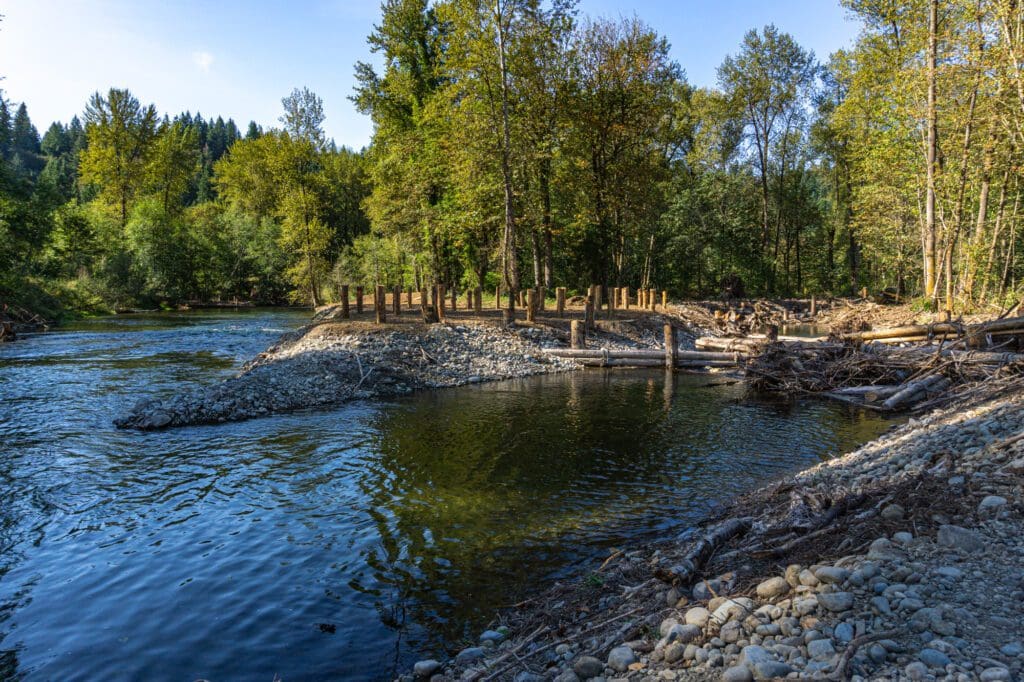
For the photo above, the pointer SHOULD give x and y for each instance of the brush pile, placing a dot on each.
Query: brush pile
(859, 368)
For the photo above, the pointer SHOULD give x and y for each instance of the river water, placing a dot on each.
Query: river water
(340, 544)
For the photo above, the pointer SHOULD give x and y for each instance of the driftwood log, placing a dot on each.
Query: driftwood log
(693, 562)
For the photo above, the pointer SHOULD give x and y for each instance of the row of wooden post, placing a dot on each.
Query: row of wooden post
(533, 300)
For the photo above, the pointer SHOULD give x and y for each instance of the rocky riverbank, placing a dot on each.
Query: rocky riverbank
(901, 560)
(329, 363)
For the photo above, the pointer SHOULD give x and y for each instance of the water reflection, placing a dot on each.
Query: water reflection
(219, 552)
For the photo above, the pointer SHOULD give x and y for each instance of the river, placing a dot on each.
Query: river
(340, 544)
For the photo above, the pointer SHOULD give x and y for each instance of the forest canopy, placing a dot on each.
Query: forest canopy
(521, 142)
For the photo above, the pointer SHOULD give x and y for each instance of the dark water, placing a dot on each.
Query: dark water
(218, 552)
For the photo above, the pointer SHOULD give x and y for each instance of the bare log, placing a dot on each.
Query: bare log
(691, 565)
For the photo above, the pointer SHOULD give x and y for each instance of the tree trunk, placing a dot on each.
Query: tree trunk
(932, 154)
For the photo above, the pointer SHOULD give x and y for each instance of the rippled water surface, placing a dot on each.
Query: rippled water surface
(338, 544)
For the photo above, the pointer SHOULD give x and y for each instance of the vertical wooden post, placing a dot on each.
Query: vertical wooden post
(469, 299)
(379, 304)
(478, 300)
(652, 300)
(497, 297)
(577, 334)
(625, 298)
(542, 293)
(359, 299)
(508, 318)
(560, 300)
(863, 292)
(664, 299)
(671, 347)
(598, 296)
(455, 298)
(344, 302)
(588, 313)
(440, 301)
(520, 298)
(814, 306)
(396, 303)
(408, 298)
(531, 304)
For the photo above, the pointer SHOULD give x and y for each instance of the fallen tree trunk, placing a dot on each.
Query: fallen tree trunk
(687, 570)
(915, 390)
(651, 362)
(640, 354)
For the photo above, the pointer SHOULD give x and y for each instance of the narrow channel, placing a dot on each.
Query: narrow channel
(336, 543)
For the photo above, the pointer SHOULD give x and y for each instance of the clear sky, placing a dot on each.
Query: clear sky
(238, 58)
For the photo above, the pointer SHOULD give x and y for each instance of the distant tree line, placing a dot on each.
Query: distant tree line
(518, 142)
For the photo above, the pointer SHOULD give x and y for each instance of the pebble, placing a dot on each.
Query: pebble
(831, 574)
(821, 650)
(836, 601)
(426, 668)
(960, 538)
(737, 673)
(773, 587)
(991, 502)
(893, 512)
(587, 667)
(470, 655)
(620, 658)
(698, 616)
(933, 658)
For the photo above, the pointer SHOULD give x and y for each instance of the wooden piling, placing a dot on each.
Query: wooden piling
(478, 300)
(508, 318)
(408, 298)
(625, 298)
(359, 300)
(560, 301)
(497, 297)
(344, 302)
(671, 347)
(664, 299)
(440, 301)
(396, 302)
(598, 296)
(469, 299)
(652, 302)
(531, 305)
(379, 304)
(814, 306)
(577, 334)
(455, 298)
(588, 313)
(542, 293)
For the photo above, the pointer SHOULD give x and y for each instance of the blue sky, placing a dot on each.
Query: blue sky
(238, 59)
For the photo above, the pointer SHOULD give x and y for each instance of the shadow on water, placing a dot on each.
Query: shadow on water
(343, 543)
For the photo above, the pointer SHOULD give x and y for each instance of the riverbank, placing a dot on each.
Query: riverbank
(900, 560)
